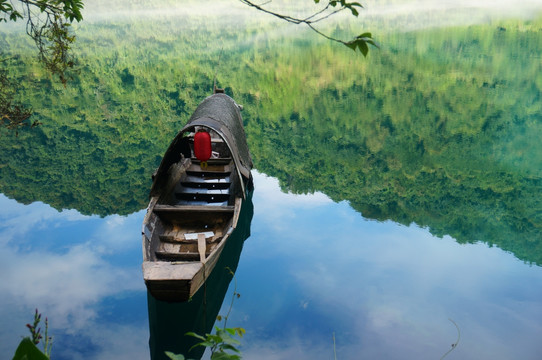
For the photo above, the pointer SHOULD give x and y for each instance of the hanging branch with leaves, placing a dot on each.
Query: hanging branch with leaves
(332, 8)
(13, 115)
(48, 24)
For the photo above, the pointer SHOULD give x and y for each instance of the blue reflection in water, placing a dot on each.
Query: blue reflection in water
(82, 272)
(311, 268)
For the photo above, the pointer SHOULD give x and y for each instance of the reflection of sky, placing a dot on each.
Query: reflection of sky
(82, 272)
(311, 268)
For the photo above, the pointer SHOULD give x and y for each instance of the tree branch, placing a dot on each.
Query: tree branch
(360, 42)
(48, 24)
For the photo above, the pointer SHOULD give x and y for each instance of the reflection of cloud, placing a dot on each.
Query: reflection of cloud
(18, 219)
(388, 290)
(115, 341)
(64, 285)
(274, 206)
(55, 261)
(266, 190)
(298, 346)
(122, 232)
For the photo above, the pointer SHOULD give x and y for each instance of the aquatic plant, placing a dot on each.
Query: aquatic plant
(223, 344)
(27, 348)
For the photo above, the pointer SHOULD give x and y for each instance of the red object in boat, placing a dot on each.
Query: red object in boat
(202, 145)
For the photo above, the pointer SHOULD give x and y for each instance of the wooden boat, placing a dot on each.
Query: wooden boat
(194, 204)
(169, 322)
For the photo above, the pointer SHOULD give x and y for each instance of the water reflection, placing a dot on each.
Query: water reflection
(169, 322)
(82, 272)
(441, 128)
(385, 290)
(312, 268)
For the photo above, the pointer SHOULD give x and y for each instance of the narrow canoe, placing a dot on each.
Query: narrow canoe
(194, 204)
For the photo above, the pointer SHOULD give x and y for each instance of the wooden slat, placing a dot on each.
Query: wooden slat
(192, 208)
(203, 197)
(214, 161)
(224, 185)
(202, 246)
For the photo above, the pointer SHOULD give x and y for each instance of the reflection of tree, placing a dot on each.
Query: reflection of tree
(413, 142)
(12, 115)
(456, 151)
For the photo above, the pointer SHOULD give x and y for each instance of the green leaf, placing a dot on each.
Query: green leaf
(193, 334)
(28, 350)
(173, 356)
(230, 347)
(367, 38)
(372, 42)
(214, 339)
(362, 45)
(352, 45)
(230, 341)
(203, 343)
(15, 15)
(224, 356)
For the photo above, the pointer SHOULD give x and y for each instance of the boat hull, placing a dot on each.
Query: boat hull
(195, 204)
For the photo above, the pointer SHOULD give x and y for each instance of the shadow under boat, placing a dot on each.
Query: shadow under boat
(170, 321)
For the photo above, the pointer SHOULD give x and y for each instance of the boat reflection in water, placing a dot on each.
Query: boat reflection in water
(170, 321)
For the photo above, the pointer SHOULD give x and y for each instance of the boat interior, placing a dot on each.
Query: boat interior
(196, 206)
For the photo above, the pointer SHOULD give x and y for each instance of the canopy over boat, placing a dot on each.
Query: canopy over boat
(220, 113)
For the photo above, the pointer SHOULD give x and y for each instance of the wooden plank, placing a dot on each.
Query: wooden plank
(202, 246)
(192, 208)
(174, 175)
(190, 236)
(179, 256)
(193, 236)
(160, 270)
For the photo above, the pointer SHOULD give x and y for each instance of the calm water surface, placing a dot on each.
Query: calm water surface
(440, 128)
(311, 268)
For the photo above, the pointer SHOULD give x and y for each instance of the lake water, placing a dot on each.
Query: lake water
(396, 205)
(311, 269)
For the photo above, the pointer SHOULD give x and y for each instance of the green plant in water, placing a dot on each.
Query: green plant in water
(27, 348)
(223, 344)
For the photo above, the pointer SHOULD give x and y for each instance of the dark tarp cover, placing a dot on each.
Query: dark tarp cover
(220, 113)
